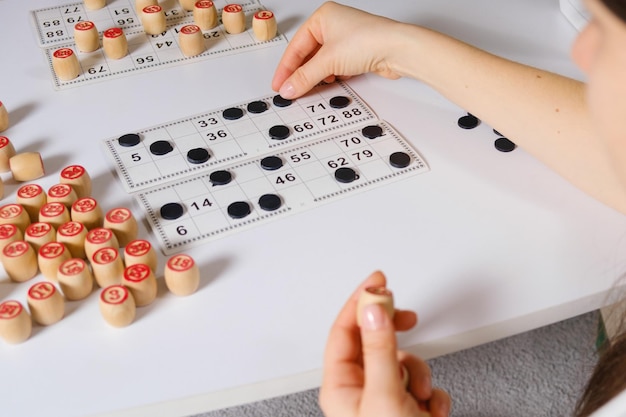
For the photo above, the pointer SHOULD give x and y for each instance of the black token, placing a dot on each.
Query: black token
(161, 147)
(281, 102)
(271, 163)
(198, 155)
(279, 132)
(129, 139)
(220, 177)
(257, 107)
(171, 211)
(345, 174)
(270, 202)
(399, 160)
(468, 122)
(232, 113)
(238, 209)
(339, 102)
(504, 145)
(372, 132)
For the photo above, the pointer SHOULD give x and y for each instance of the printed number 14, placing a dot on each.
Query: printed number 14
(205, 203)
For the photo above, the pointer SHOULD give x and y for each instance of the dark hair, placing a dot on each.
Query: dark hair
(617, 6)
(607, 379)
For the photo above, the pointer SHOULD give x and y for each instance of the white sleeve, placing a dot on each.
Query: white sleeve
(614, 408)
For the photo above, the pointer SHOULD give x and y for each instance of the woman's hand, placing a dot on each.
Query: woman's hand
(336, 41)
(363, 368)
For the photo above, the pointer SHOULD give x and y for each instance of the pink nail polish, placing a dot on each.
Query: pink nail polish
(287, 90)
(374, 317)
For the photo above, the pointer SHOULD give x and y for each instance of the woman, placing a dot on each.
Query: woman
(361, 375)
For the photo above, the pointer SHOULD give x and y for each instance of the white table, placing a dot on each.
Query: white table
(484, 246)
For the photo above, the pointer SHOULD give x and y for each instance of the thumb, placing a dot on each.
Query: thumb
(378, 337)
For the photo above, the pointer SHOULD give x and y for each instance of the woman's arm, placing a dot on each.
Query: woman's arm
(542, 112)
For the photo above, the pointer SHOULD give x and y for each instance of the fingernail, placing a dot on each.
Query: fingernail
(374, 317)
(287, 90)
(444, 408)
(404, 374)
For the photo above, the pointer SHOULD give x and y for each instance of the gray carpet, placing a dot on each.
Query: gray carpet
(536, 374)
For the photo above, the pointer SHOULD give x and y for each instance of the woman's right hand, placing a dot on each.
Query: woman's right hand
(336, 41)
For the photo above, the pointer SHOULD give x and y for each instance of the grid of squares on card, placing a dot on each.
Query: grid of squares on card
(152, 52)
(240, 196)
(192, 145)
(55, 25)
